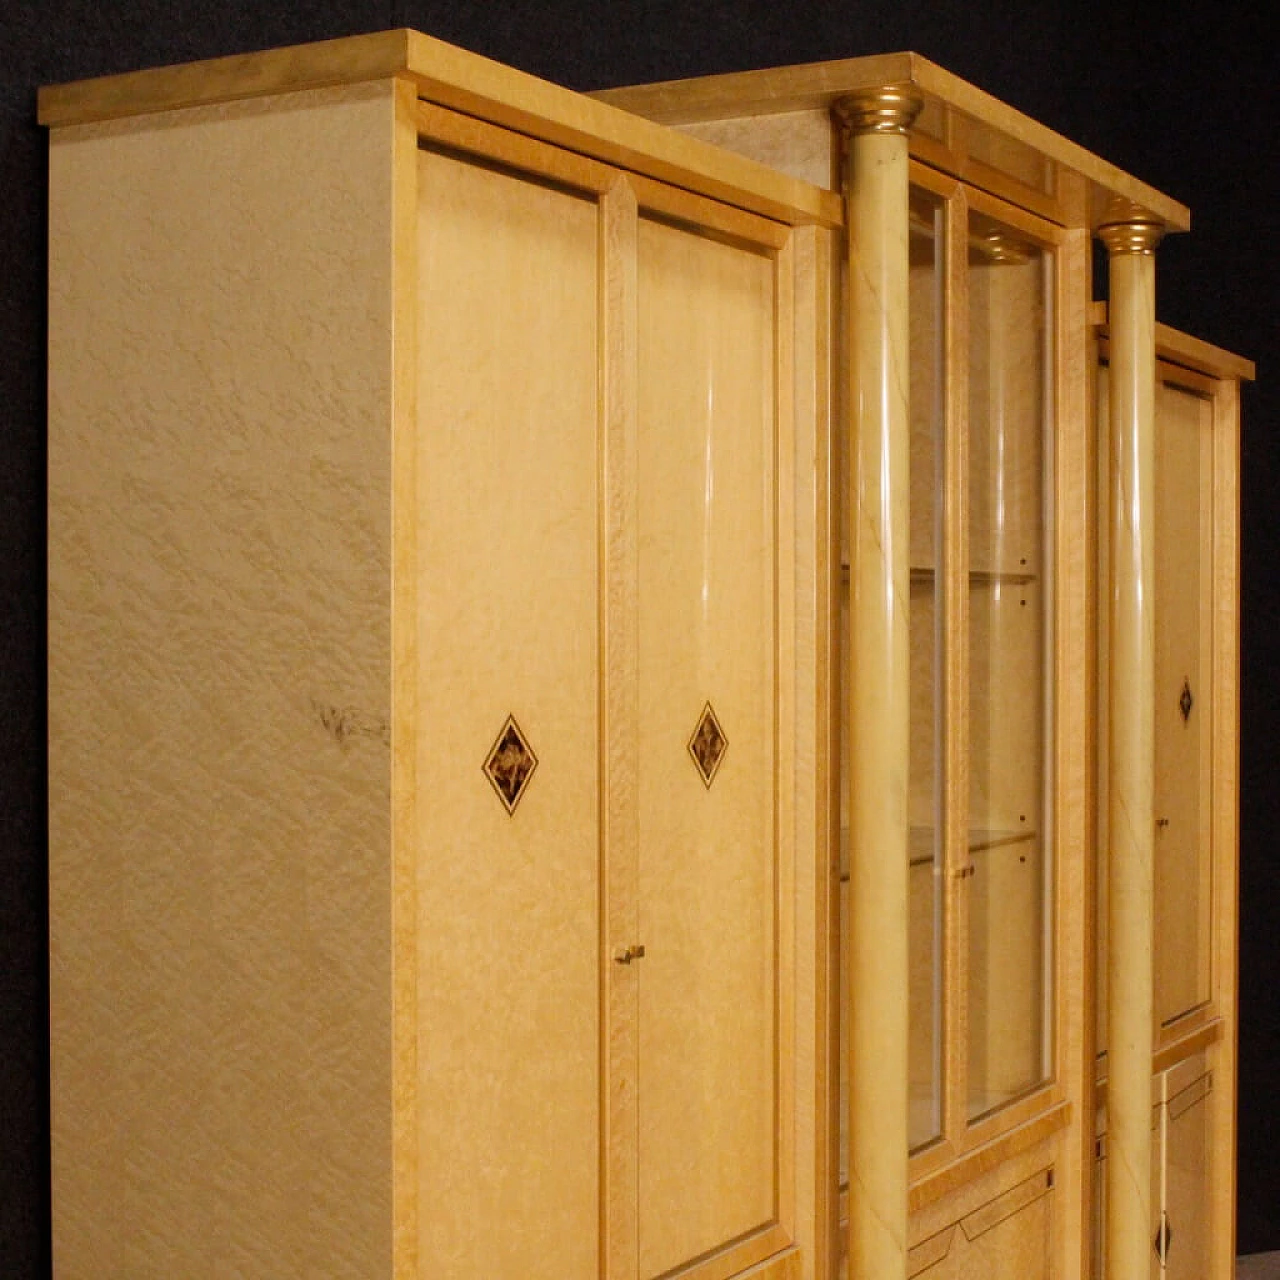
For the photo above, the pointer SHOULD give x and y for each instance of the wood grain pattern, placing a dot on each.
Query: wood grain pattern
(621, 729)
(405, 658)
(467, 83)
(815, 815)
(1224, 1059)
(1183, 744)
(993, 126)
(709, 873)
(875, 1000)
(508, 615)
(1073, 759)
(1131, 820)
(221, 428)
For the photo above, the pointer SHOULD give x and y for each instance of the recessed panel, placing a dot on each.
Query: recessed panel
(1183, 550)
(508, 884)
(708, 863)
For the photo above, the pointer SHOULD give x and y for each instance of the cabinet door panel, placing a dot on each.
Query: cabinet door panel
(708, 862)
(1187, 1171)
(508, 950)
(1183, 551)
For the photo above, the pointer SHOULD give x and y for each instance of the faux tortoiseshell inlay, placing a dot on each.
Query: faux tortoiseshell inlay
(708, 745)
(510, 764)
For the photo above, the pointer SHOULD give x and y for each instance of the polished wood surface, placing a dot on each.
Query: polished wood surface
(405, 658)
(1199, 388)
(1131, 817)
(1004, 141)
(876, 999)
(222, 421)
(508, 563)
(1183, 655)
(600, 370)
(709, 867)
(465, 82)
(620, 727)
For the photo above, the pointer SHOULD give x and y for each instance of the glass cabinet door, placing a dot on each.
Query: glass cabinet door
(925, 850)
(979, 923)
(1008, 700)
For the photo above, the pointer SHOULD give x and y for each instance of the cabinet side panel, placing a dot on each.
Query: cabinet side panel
(508, 952)
(219, 613)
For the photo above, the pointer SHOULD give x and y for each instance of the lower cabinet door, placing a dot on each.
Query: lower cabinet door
(1187, 1088)
(1003, 1236)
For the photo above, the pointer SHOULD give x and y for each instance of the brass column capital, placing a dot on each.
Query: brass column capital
(891, 108)
(1129, 228)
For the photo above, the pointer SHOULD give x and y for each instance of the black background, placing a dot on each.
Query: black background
(1184, 100)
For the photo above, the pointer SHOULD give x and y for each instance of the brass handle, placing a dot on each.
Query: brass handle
(630, 954)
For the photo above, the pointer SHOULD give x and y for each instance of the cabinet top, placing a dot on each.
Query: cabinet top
(466, 82)
(961, 130)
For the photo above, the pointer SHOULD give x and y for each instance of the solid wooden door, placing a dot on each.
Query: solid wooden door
(509, 861)
(604, 959)
(709, 856)
(1183, 702)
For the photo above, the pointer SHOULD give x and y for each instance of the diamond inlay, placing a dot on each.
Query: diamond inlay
(708, 745)
(510, 765)
(1186, 702)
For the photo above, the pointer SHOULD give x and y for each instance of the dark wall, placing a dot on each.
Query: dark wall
(1187, 104)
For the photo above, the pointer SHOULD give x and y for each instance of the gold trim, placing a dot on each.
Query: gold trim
(891, 108)
(1129, 228)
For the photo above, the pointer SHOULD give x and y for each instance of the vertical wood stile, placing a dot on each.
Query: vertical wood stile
(786, 925)
(816, 530)
(954, 576)
(619, 676)
(876, 986)
(404, 691)
(1225, 837)
(1130, 238)
(1074, 941)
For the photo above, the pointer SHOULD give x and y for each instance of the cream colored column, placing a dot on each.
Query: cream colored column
(1131, 238)
(875, 990)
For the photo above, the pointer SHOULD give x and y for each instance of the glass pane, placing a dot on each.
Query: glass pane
(925, 776)
(1008, 631)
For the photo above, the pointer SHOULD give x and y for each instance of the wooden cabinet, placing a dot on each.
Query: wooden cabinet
(434, 878)
(597, 669)
(1022, 535)
(1195, 785)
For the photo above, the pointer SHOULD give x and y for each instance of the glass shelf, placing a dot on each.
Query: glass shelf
(920, 844)
(925, 576)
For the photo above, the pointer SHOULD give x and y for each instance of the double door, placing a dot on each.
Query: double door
(602, 968)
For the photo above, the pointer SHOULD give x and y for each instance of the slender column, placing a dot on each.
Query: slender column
(875, 990)
(1131, 237)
